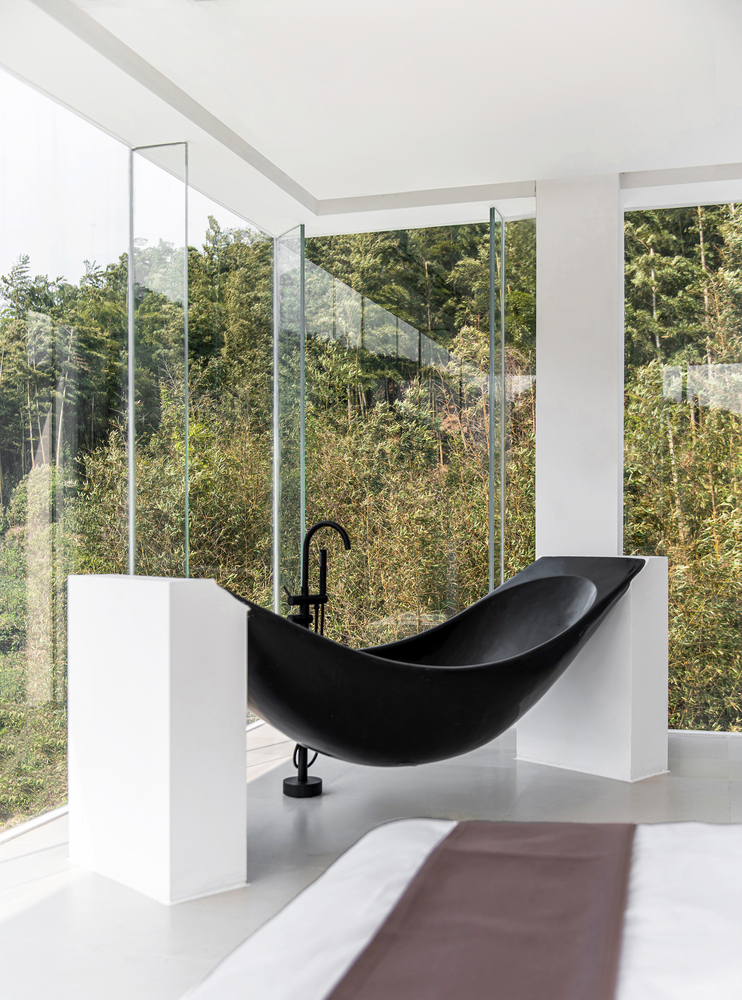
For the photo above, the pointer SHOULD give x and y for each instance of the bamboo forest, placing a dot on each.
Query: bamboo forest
(397, 444)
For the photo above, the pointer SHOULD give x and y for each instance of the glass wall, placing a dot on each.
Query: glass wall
(417, 407)
(399, 406)
(683, 421)
(197, 309)
(63, 329)
(400, 422)
(230, 337)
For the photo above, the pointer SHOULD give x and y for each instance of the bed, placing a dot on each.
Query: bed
(679, 932)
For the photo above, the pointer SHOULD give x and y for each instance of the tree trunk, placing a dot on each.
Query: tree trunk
(30, 424)
(678, 509)
(654, 303)
(705, 285)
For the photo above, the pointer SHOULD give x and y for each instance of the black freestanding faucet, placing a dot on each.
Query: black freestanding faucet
(305, 600)
(302, 786)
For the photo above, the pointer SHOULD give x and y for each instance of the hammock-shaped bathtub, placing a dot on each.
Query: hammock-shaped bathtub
(442, 692)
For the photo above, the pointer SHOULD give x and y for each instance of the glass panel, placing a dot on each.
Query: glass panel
(288, 414)
(683, 435)
(230, 337)
(160, 335)
(398, 428)
(63, 509)
(498, 401)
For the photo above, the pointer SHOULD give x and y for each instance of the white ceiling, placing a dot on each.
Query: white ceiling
(326, 110)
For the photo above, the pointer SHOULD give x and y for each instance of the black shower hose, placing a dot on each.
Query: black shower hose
(309, 762)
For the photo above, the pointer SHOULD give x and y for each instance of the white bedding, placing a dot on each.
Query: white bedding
(682, 936)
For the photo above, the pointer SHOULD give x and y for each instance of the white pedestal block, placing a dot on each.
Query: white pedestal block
(157, 702)
(607, 714)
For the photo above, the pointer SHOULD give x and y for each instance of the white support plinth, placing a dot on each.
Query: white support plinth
(607, 714)
(157, 702)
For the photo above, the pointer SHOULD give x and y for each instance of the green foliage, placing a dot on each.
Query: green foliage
(400, 455)
(436, 279)
(231, 340)
(33, 760)
(682, 455)
(396, 453)
(12, 596)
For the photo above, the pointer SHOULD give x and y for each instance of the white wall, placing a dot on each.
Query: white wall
(579, 367)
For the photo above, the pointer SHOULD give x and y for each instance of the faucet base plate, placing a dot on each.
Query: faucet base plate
(302, 789)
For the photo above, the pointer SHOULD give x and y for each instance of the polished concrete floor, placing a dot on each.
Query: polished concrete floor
(67, 933)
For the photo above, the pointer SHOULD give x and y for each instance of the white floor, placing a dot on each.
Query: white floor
(69, 934)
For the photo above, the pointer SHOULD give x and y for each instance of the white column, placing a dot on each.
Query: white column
(579, 367)
(157, 703)
(607, 714)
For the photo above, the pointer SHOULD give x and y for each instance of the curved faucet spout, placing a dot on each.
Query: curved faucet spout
(305, 551)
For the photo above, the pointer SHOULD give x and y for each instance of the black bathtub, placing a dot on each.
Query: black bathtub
(444, 691)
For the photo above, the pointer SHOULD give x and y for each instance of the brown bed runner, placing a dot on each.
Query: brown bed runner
(508, 911)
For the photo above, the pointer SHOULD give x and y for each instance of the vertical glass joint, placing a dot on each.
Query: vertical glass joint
(497, 401)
